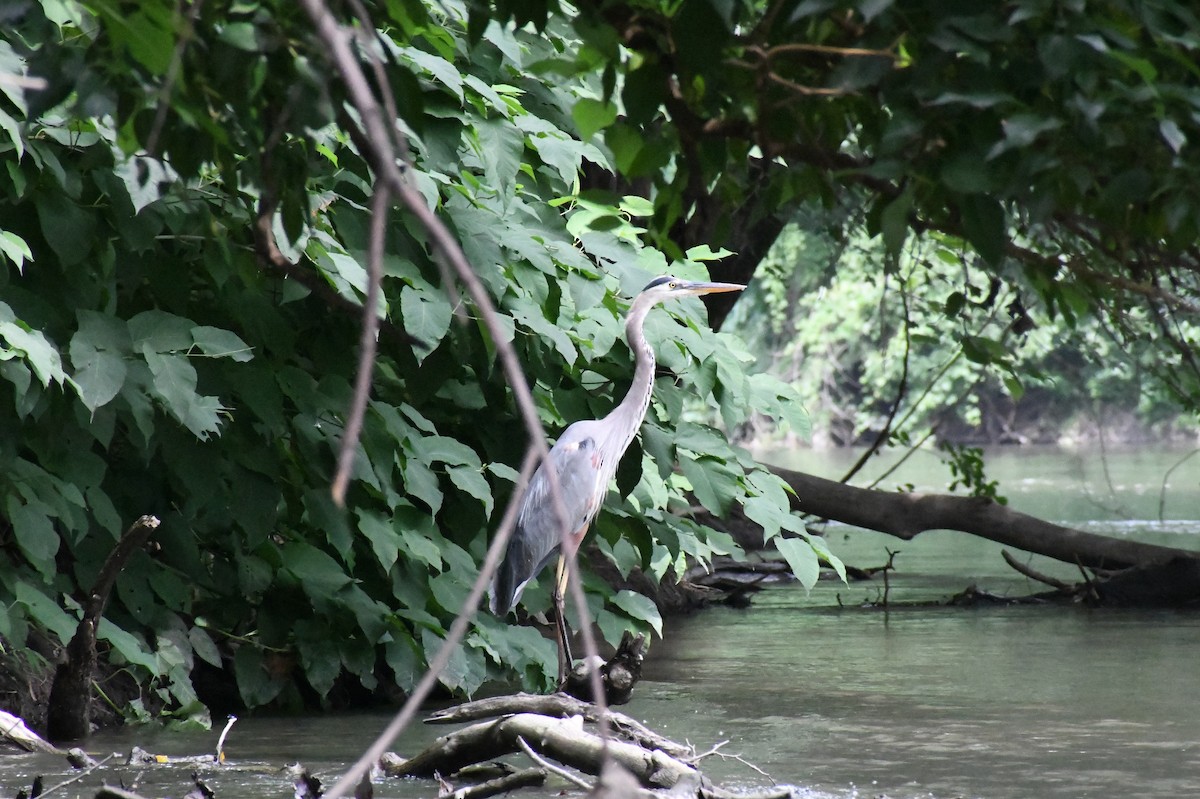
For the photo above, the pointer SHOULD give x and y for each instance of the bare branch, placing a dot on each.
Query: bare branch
(1033, 574)
(380, 135)
(380, 202)
(574, 779)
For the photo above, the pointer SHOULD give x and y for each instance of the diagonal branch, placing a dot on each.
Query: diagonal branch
(386, 162)
(366, 347)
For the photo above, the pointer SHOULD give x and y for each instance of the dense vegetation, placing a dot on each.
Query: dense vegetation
(933, 352)
(160, 360)
(185, 216)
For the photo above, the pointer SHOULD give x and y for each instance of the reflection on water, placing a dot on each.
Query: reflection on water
(1055, 484)
(257, 750)
(1008, 702)
(848, 701)
(987, 702)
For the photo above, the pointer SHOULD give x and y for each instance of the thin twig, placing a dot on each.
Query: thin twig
(83, 773)
(1162, 492)
(901, 393)
(716, 750)
(380, 201)
(574, 779)
(1036, 575)
(824, 49)
(164, 92)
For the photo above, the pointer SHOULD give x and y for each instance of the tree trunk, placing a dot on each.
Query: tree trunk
(69, 712)
(1127, 572)
(906, 515)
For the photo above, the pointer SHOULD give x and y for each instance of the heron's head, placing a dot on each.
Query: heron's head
(669, 287)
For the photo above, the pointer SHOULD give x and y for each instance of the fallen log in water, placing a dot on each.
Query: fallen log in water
(563, 740)
(560, 706)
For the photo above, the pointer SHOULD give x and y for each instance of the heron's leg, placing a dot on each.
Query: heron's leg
(565, 661)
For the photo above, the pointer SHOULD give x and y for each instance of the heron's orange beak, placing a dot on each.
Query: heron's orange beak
(698, 287)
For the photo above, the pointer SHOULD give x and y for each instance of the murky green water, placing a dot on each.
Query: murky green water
(947, 702)
(846, 701)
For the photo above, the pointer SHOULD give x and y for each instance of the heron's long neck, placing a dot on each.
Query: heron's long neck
(632, 409)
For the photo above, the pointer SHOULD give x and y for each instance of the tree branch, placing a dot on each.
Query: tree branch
(907, 515)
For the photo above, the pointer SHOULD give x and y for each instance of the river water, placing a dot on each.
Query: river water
(825, 691)
(998, 702)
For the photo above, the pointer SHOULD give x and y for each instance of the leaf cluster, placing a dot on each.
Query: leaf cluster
(1051, 139)
(184, 231)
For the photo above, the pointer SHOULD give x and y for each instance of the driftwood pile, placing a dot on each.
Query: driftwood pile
(560, 737)
(559, 733)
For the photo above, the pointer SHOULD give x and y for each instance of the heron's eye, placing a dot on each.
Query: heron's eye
(672, 285)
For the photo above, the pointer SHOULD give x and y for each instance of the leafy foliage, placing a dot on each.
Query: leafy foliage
(938, 347)
(164, 357)
(159, 358)
(1047, 142)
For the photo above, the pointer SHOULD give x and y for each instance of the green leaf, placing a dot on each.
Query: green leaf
(404, 659)
(217, 343)
(318, 654)
(465, 671)
(69, 229)
(1016, 389)
(161, 332)
(801, 559)
(427, 314)
(639, 608)
(500, 148)
(421, 483)
(443, 449)
(591, 116)
(46, 611)
(385, 543)
(765, 514)
(15, 249)
(713, 482)
(148, 38)
(441, 69)
(204, 647)
(1170, 130)
(129, 647)
(30, 345)
(1021, 131)
(318, 574)
(823, 552)
(984, 224)
(470, 480)
(34, 533)
(240, 35)
(519, 648)
(97, 353)
(175, 384)
(13, 129)
(255, 683)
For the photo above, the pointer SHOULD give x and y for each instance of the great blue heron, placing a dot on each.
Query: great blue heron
(584, 459)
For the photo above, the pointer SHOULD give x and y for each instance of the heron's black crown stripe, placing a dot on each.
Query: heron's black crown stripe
(658, 281)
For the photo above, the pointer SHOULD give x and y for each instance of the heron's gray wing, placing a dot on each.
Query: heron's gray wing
(536, 540)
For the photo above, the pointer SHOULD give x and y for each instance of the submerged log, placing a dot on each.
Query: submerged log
(1175, 583)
